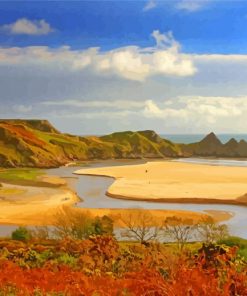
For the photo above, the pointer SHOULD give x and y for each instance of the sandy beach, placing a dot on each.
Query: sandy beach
(38, 205)
(33, 205)
(169, 181)
(27, 205)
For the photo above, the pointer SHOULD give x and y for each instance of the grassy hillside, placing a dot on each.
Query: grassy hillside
(36, 143)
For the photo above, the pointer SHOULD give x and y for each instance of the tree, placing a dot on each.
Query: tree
(140, 226)
(178, 230)
(21, 234)
(41, 232)
(76, 224)
(73, 223)
(103, 225)
(210, 232)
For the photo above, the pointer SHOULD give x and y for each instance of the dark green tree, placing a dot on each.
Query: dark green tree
(21, 234)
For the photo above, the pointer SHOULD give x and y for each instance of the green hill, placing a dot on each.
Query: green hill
(36, 143)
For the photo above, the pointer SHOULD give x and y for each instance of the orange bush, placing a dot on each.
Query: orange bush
(103, 269)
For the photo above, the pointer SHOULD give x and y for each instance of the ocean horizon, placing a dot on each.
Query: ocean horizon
(192, 138)
(188, 138)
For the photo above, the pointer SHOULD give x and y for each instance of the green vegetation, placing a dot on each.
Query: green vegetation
(36, 143)
(100, 265)
(86, 259)
(21, 234)
(239, 242)
(70, 222)
(20, 174)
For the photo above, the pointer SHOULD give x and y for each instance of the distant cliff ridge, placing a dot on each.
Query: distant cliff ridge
(36, 143)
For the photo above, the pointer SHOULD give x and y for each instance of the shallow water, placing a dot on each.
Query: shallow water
(92, 190)
(214, 161)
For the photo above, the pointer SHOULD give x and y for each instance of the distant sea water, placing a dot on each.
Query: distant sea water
(192, 138)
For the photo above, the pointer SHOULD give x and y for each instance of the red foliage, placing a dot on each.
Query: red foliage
(21, 132)
(144, 271)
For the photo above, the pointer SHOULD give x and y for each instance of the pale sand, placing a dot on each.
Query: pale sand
(169, 181)
(39, 205)
(27, 205)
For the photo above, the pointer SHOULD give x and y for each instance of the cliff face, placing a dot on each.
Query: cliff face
(36, 143)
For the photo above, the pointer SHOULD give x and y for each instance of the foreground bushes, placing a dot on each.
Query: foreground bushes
(236, 241)
(101, 266)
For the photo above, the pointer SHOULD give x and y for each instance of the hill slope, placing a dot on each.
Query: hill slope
(36, 143)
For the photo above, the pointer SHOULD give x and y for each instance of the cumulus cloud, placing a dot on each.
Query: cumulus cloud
(188, 108)
(199, 109)
(151, 4)
(28, 27)
(179, 114)
(132, 62)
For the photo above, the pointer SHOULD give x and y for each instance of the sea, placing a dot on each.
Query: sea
(192, 138)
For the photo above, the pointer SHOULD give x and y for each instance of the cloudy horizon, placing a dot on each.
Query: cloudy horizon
(98, 67)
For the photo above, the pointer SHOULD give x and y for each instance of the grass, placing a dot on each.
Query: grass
(25, 177)
(190, 246)
(57, 137)
(19, 174)
(236, 241)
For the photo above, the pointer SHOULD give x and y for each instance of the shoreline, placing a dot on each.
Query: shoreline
(35, 205)
(118, 214)
(192, 200)
(123, 180)
(41, 210)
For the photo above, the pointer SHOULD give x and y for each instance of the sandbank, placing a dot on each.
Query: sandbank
(167, 181)
(32, 205)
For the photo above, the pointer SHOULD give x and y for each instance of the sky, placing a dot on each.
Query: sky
(96, 67)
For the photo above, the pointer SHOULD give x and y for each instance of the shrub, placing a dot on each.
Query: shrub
(75, 224)
(66, 259)
(211, 232)
(103, 225)
(232, 241)
(236, 241)
(21, 234)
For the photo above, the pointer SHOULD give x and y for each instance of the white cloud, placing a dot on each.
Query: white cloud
(152, 110)
(191, 5)
(165, 40)
(200, 111)
(116, 104)
(28, 27)
(22, 108)
(184, 107)
(132, 62)
(223, 58)
(186, 113)
(126, 62)
(151, 4)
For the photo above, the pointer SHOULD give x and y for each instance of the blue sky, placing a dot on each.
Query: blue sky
(100, 66)
(217, 26)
